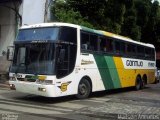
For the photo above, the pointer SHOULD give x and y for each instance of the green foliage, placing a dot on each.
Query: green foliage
(64, 14)
(138, 19)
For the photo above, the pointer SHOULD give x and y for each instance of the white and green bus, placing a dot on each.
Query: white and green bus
(60, 59)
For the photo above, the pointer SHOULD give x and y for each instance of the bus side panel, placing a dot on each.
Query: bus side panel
(89, 68)
(127, 76)
(108, 71)
(151, 76)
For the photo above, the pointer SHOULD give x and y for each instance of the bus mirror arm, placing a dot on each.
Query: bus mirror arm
(10, 53)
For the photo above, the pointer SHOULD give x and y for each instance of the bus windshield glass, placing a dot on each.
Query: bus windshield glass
(34, 58)
(48, 33)
(35, 49)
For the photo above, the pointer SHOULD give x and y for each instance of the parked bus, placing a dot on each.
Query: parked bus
(60, 59)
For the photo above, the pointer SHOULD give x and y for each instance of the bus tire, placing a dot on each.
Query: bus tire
(144, 81)
(138, 84)
(84, 89)
(156, 81)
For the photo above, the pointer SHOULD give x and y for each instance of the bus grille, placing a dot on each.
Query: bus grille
(26, 80)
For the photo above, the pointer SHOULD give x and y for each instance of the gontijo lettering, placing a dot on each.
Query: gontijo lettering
(134, 63)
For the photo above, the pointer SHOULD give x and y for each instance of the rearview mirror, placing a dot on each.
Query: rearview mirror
(10, 53)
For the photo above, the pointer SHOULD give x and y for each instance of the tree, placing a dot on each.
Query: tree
(130, 27)
(137, 19)
(149, 33)
(63, 13)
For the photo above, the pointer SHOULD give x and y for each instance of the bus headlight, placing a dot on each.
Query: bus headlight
(48, 82)
(12, 79)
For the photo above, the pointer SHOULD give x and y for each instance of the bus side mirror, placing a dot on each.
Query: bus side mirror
(10, 53)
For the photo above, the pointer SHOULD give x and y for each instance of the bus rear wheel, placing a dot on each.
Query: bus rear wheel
(139, 83)
(84, 89)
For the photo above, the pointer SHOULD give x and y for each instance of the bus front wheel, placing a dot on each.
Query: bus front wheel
(84, 89)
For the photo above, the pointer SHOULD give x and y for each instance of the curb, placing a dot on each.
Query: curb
(5, 84)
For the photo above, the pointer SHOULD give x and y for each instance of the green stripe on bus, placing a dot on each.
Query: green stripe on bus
(92, 30)
(104, 71)
(113, 71)
(109, 74)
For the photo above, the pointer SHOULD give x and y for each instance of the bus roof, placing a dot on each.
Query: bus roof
(100, 32)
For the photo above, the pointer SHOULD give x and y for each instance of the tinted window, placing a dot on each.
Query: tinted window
(93, 42)
(84, 41)
(106, 44)
(129, 48)
(123, 48)
(134, 50)
(68, 34)
(103, 44)
(140, 51)
(149, 53)
(50, 33)
(89, 41)
(152, 54)
(117, 47)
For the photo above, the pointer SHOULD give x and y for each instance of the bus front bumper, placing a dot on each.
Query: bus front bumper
(33, 88)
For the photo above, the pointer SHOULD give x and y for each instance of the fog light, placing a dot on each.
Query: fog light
(12, 87)
(42, 89)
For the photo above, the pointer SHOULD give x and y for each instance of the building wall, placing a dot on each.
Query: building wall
(158, 55)
(33, 11)
(7, 28)
(158, 59)
(7, 35)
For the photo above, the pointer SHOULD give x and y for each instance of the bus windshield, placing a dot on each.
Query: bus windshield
(50, 33)
(35, 49)
(34, 58)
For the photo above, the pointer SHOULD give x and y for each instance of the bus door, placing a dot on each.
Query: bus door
(65, 59)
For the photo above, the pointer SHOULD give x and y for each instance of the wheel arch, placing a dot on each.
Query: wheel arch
(89, 80)
(144, 78)
(139, 77)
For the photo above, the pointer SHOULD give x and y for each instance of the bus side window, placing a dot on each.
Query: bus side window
(109, 45)
(106, 44)
(117, 47)
(140, 52)
(128, 50)
(68, 34)
(93, 42)
(149, 53)
(103, 47)
(84, 41)
(123, 48)
(134, 50)
(152, 54)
